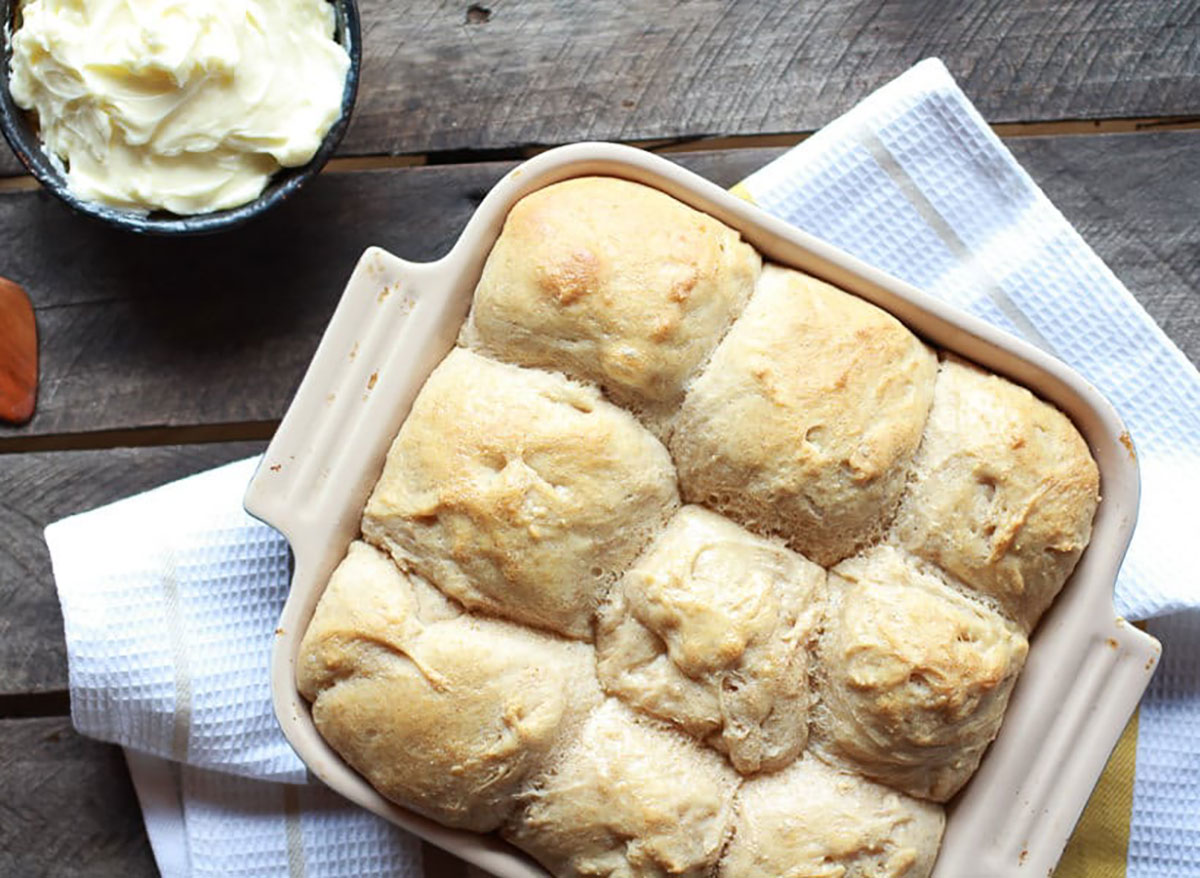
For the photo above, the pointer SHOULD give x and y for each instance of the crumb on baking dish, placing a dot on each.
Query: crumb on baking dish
(1127, 441)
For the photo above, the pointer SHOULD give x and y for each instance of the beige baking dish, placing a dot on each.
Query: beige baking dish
(1086, 668)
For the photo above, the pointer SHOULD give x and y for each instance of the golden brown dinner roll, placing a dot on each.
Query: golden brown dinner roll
(441, 711)
(519, 492)
(627, 798)
(613, 282)
(1004, 493)
(711, 629)
(811, 821)
(914, 677)
(805, 420)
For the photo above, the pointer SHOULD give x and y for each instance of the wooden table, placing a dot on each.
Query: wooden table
(162, 358)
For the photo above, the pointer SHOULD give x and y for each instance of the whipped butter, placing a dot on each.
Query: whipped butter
(183, 105)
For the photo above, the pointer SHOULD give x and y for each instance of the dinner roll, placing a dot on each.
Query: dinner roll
(806, 418)
(711, 630)
(627, 798)
(519, 492)
(441, 711)
(1004, 494)
(613, 282)
(914, 677)
(811, 821)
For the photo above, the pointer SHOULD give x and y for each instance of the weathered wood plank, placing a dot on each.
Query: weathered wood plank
(139, 333)
(553, 71)
(214, 329)
(68, 808)
(41, 488)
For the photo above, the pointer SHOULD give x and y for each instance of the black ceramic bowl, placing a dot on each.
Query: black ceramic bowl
(21, 136)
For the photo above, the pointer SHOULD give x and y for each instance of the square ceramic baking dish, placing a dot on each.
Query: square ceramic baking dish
(396, 320)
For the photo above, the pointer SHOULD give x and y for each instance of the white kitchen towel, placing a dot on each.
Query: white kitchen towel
(170, 598)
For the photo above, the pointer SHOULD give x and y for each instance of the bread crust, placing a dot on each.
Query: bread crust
(914, 677)
(806, 418)
(1003, 494)
(612, 282)
(519, 492)
(441, 711)
(712, 630)
(812, 820)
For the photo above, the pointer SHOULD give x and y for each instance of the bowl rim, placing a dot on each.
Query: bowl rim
(1086, 668)
(27, 147)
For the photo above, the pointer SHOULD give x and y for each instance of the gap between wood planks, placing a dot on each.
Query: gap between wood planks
(26, 183)
(747, 141)
(137, 437)
(28, 705)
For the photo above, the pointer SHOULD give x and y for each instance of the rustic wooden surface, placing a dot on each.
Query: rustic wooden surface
(629, 71)
(163, 358)
(516, 73)
(68, 808)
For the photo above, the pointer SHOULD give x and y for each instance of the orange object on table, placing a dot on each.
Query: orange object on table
(18, 354)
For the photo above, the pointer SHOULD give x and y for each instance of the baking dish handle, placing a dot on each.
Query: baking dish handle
(389, 323)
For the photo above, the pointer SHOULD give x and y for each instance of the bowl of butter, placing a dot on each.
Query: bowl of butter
(177, 116)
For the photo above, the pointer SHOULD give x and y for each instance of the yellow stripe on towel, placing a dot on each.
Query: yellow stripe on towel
(1099, 847)
(740, 190)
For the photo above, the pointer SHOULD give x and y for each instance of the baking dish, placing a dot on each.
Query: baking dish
(1086, 668)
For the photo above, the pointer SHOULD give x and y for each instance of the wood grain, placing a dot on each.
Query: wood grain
(552, 71)
(68, 809)
(530, 72)
(41, 488)
(140, 333)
